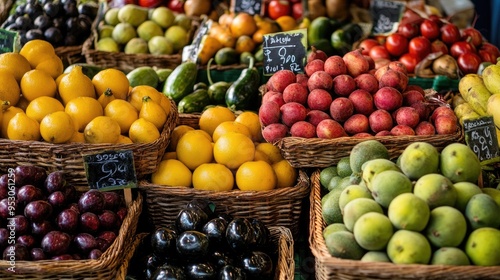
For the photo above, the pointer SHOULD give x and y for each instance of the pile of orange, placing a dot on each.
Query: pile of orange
(41, 103)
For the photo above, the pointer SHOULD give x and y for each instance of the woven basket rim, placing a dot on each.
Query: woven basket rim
(378, 270)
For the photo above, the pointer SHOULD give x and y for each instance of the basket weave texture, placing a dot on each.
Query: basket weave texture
(70, 54)
(69, 157)
(281, 237)
(328, 267)
(191, 120)
(104, 268)
(278, 207)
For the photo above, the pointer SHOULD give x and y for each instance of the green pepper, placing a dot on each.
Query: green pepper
(243, 94)
(216, 91)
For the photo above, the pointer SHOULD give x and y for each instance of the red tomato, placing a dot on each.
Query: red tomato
(437, 20)
(367, 44)
(490, 48)
(297, 10)
(278, 8)
(410, 61)
(429, 29)
(450, 33)
(409, 30)
(461, 47)
(396, 44)
(150, 3)
(474, 34)
(379, 52)
(420, 47)
(439, 46)
(468, 62)
(176, 6)
(487, 56)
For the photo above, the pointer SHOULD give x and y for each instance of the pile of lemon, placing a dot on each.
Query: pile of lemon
(41, 103)
(226, 152)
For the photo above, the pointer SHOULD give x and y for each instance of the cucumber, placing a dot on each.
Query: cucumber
(144, 75)
(226, 56)
(194, 102)
(88, 70)
(181, 81)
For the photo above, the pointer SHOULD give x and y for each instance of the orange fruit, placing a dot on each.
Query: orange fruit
(194, 149)
(233, 149)
(113, 79)
(245, 43)
(172, 172)
(287, 23)
(36, 83)
(15, 63)
(230, 126)
(213, 116)
(213, 177)
(255, 176)
(243, 24)
(9, 89)
(252, 122)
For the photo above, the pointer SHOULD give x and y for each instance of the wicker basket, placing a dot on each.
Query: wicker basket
(278, 207)
(191, 120)
(70, 55)
(69, 157)
(328, 267)
(106, 267)
(281, 237)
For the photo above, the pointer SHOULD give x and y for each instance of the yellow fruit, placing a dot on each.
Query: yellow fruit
(233, 149)
(59, 78)
(286, 175)
(36, 83)
(243, 24)
(230, 126)
(9, 89)
(213, 116)
(106, 98)
(172, 172)
(153, 112)
(245, 43)
(22, 103)
(213, 177)
(34, 51)
(124, 140)
(255, 176)
(259, 155)
(252, 122)
(83, 109)
(194, 149)
(287, 23)
(122, 112)
(143, 131)
(15, 64)
(176, 134)
(166, 104)
(272, 152)
(8, 114)
(75, 84)
(77, 137)
(42, 106)
(57, 127)
(102, 129)
(113, 79)
(169, 155)
(52, 65)
(138, 92)
(21, 127)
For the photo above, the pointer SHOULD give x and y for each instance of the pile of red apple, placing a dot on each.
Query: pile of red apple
(418, 37)
(340, 96)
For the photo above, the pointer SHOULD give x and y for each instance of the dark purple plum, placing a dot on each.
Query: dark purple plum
(37, 254)
(40, 229)
(122, 213)
(76, 256)
(30, 175)
(55, 181)
(16, 252)
(68, 220)
(74, 206)
(84, 242)
(89, 222)
(56, 243)
(4, 208)
(91, 201)
(163, 242)
(4, 237)
(21, 224)
(27, 194)
(57, 199)
(109, 220)
(27, 240)
(37, 211)
(70, 193)
(112, 200)
(257, 265)
(4, 186)
(109, 236)
(215, 229)
(63, 257)
(95, 254)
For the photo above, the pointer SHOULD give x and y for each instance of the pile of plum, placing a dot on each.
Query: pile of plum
(43, 217)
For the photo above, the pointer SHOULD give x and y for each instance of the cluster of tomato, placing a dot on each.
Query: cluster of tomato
(418, 38)
(278, 8)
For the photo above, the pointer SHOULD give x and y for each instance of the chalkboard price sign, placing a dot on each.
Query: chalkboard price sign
(8, 41)
(191, 52)
(110, 170)
(252, 7)
(481, 137)
(285, 50)
(386, 15)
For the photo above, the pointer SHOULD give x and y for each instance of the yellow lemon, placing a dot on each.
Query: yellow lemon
(169, 155)
(194, 149)
(172, 172)
(34, 51)
(285, 174)
(213, 177)
(22, 103)
(143, 131)
(230, 126)
(59, 78)
(271, 151)
(102, 129)
(77, 137)
(42, 106)
(124, 140)
(36, 83)
(166, 104)
(52, 65)
(138, 92)
(153, 112)
(252, 122)
(122, 112)
(15, 64)
(112, 79)
(22, 127)
(233, 149)
(106, 98)
(259, 155)
(8, 114)
(57, 127)
(83, 109)
(213, 116)
(9, 89)
(176, 134)
(255, 176)
(75, 84)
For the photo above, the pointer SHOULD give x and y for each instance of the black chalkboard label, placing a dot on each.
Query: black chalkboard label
(285, 50)
(8, 41)
(191, 52)
(252, 7)
(481, 137)
(110, 170)
(386, 15)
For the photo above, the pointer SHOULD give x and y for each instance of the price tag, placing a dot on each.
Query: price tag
(190, 53)
(252, 7)
(110, 170)
(285, 50)
(9, 41)
(481, 137)
(386, 15)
